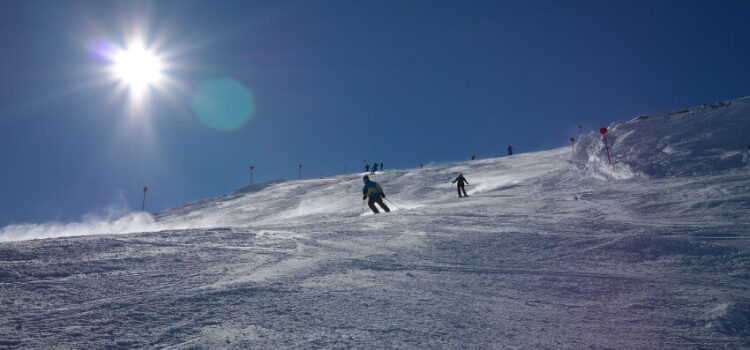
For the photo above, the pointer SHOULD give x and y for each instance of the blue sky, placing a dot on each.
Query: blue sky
(333, 83)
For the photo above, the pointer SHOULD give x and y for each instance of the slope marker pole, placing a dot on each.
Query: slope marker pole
(145, 188)
(604, 135)
(251, 174)
(572, 145)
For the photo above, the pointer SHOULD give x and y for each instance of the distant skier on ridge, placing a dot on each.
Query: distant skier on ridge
(374, 168)
(367, 167)
(376, 194)
(461, 180)
(510, 150)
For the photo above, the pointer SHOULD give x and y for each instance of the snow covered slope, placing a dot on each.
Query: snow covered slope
(703, 140)
(553, 249)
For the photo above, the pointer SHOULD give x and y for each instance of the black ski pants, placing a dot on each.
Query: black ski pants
(379, 200)
(461, 188)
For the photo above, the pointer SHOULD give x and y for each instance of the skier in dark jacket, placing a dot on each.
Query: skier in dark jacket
(461, 181)
(375, 193)
(510, 150)
(374, 168)
(367, 167)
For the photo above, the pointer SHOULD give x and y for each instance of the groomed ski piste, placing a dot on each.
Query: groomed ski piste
(552, 250)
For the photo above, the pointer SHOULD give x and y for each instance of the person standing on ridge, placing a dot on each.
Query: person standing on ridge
(381, 166)
(375, 193)
(510, 150)
(461, 181)
(374, 168)
(473, 157)
(367, 167)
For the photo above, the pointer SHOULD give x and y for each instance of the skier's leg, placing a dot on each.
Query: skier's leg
(464, 189)
(382, 205)
(371, 204)
(459, 191)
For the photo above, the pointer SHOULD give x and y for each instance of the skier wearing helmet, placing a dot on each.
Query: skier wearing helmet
(375, 193)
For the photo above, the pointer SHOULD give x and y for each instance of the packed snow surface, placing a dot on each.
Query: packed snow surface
(552, 250)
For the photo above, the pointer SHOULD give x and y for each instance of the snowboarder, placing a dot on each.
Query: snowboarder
(367, 167)
(375, 193)
(510, 150)
(374, 168)
(461, 180)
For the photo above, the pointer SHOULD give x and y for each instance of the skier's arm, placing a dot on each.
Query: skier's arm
(380, 189)
(454, 181)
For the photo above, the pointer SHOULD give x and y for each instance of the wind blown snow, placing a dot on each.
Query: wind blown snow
(553, 249)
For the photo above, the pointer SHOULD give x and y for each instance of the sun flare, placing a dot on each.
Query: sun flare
(138, 67)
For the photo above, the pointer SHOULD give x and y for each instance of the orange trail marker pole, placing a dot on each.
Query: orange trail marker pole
(251, 174)
(145, 188)
(604, 135)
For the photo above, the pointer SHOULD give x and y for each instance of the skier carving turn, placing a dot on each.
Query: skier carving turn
(375, 193)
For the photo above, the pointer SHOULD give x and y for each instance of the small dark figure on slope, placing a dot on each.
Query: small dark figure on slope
(461, 181)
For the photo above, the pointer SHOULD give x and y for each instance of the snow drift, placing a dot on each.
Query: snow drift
(703, 140)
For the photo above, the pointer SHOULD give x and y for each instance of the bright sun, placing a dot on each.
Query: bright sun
(138, 67)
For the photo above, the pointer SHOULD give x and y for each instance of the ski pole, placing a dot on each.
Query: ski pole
(394, 204)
